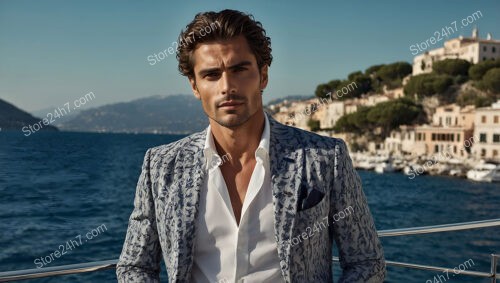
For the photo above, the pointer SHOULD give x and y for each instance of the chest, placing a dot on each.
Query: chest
(237, 181)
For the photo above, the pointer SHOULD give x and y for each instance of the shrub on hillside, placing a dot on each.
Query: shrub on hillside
(428, 84)
(477, 71)
(451, 67)
(491, 81)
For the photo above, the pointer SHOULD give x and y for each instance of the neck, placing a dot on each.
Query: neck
(239, 142)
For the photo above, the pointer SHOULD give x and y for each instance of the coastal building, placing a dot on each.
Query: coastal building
(330, 113)
(451, 127)
(432, 140)
(397, 92)
(327, 111)
(297, 113)
(453, 115)
(487, 132)
(472, 49)
(403, 141)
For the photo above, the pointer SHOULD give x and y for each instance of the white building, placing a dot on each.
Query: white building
(451, 126)
(471, 49)
(402, 140)
(487, 132)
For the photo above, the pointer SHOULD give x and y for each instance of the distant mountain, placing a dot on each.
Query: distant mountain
(60, 120)
(173, 114)
(13, 118)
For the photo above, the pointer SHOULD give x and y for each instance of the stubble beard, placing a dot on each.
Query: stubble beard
(236, 119)
(232, 122)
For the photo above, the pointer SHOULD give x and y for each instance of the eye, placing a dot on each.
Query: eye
(211, 75)
(239, 69)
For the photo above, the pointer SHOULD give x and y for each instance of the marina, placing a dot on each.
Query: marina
(475, 170)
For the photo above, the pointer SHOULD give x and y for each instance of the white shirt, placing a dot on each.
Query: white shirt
(225, 252)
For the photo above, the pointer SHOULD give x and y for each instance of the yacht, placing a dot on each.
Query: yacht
(384, 167)
(484, 172)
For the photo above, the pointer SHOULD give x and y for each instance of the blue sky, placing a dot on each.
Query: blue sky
(52, 52)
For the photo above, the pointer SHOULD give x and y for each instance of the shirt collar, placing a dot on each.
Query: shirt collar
(213, 160)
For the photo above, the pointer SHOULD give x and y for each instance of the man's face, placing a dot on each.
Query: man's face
(227, 81)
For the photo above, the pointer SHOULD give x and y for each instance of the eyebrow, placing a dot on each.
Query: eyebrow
(203, 72)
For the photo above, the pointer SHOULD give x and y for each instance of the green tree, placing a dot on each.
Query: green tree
(334, 84)
(373, 69)
(391, 114)
(428, 84)
(352, 76)
(491, 81)
(394, 71)
(391, 75)
(323, 89)
(387, 115)
(452, 67)
(313, 125)
(362, 82)
(477, 71)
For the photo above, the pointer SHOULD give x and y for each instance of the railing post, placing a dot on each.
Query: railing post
(494, 263)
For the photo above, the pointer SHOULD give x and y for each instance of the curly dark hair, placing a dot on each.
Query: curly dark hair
(223, 25)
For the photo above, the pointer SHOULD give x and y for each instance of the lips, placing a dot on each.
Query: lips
(230, 103)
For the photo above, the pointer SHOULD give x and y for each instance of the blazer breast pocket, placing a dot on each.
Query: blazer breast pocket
(311, 223)
(309, 198)
(312, 208)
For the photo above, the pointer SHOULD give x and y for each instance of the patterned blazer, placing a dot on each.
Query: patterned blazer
(313, 185)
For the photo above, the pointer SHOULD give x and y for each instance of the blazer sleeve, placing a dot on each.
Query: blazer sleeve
(360, 251)
(141, 253)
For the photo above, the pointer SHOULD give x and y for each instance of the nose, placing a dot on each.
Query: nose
(227, 84)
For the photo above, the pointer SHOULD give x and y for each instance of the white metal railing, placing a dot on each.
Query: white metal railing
(111, 264)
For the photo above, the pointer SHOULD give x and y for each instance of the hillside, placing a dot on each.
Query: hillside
(13, 118)
(173, 114)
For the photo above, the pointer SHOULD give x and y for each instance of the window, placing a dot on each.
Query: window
(495, 119)
(484, 48)
(483, 152)
(482, 138)
(496, 137)
(495, 153)
(493, 49)
(448, 121)
(484, 58)
(483, 119)
(458, 137)
(454, 149)
(436, 148)
(433, 138)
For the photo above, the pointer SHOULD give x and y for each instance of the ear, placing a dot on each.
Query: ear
(263, 77)
(192, 82)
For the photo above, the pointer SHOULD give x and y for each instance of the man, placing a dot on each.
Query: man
(248, 199)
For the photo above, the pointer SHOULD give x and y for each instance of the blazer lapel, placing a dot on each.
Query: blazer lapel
(190, 183)
(287, 165)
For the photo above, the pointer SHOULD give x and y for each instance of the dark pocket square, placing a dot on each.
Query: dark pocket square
(309, 198)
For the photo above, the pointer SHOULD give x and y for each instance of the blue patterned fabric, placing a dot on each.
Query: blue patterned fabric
(313, 182)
